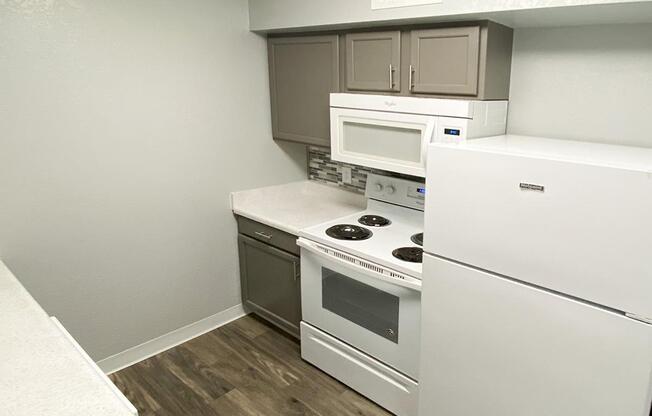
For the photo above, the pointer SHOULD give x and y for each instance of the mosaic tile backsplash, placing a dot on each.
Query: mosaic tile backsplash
(322, 169)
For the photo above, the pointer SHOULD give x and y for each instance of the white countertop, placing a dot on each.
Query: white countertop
(297, 205)
(41, 371)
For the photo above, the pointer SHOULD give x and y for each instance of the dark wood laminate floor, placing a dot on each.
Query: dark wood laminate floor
(245, 368)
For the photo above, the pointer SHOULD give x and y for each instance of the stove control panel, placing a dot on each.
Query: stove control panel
(398, 191)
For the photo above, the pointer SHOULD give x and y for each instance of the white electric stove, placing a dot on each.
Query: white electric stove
(361, 294)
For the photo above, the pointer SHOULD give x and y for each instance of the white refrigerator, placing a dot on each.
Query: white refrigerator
(537, 279)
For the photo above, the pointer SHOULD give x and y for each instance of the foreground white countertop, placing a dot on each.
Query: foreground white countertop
(297, 205)
(41, 371)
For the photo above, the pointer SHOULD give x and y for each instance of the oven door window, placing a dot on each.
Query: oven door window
(364, 305)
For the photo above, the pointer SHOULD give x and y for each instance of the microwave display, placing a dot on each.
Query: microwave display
(417, 192)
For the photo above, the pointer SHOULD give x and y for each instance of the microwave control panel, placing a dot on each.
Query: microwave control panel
(451, 130)
(417, 191)
(398, 191)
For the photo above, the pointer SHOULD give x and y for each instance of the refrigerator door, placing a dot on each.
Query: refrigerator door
(556, 221)
(494, 347)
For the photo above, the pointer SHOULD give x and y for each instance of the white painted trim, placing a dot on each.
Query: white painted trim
(157, 345)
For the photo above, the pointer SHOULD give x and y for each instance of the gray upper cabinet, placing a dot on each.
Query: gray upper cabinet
(469, 60)
(303, 72)
(373, 61)
(445, 61)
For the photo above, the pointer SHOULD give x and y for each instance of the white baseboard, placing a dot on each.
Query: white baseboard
(155, 346)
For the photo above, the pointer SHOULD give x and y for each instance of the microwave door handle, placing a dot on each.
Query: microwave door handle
(406, 282)
(430, 131)
(430, 136)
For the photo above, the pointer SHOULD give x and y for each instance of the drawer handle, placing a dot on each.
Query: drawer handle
(263, 235)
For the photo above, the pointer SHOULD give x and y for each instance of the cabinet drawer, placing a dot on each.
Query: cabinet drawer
(268, 235)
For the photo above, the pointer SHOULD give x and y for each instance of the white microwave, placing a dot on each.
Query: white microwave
(392, 133)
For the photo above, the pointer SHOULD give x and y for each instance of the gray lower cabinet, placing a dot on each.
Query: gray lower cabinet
(303, 70)
(373, 61)
(270, 280)
(445, 61)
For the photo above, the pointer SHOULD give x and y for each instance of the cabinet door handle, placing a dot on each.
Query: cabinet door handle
(263, 235)
(411, 81)
(391, 77)
(297, 271)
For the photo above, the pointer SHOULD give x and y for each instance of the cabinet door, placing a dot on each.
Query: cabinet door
(303, 73)
(373, 61)
(445, 61)
(271, 283)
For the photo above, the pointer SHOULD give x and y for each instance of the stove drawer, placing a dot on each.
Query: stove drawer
(269, 235)
(385, 386)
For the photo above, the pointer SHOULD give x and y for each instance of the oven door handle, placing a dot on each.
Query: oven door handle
(367, 268)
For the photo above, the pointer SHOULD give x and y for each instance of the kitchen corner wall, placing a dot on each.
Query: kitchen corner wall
(124, 126)
(591, 83)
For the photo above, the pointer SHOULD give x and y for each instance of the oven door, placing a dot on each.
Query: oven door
(396, 142)
(371, 309)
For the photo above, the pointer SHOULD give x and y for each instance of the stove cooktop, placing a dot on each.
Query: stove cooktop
(379, 247)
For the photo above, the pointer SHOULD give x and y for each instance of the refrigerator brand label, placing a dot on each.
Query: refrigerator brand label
(532, 187)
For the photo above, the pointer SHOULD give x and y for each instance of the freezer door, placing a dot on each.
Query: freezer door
(494, 347)
(576, 228)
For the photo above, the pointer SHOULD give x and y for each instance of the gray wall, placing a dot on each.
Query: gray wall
(587, 83)
(124, 125)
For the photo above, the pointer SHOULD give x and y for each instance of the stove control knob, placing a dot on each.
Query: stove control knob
(379, 187)
(390, 190)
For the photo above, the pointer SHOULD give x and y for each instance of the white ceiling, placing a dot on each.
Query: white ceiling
(301, 15)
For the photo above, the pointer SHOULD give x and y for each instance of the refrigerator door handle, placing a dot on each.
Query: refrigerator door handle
(639, 318)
